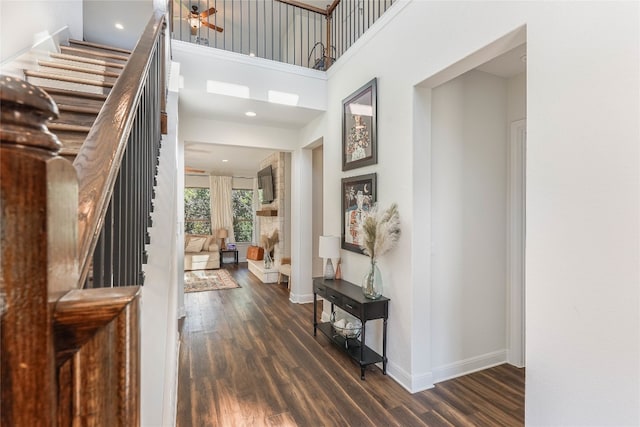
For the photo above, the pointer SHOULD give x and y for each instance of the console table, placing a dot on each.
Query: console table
(349, 297)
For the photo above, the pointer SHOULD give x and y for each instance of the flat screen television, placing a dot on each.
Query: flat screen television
(265, 185)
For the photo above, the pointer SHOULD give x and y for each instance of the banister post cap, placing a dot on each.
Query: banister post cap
(25, 111)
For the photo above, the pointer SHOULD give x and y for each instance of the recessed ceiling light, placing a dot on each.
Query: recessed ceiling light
(251, 54)
(119, 26)
(250, 114)
(224, 160)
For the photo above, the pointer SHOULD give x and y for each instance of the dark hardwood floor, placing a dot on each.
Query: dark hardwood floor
(248, 357)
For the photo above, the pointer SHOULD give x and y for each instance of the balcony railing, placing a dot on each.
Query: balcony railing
(281, 30)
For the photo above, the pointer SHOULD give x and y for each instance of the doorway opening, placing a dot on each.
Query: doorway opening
(476, 208)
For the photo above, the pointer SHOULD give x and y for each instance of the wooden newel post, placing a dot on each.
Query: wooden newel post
(38, 199)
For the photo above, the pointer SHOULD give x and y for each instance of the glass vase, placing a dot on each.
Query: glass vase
(372, 282)
(268, 262)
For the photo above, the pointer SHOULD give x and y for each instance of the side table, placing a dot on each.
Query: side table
(228, 251)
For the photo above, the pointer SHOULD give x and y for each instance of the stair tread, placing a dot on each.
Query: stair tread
(71, 108)
(54, 126)
(78, 119)
(99, 46)
(69, 79)
(86, 60)
(92, 53)
(64, 66)
(71, 141)
(74, 94)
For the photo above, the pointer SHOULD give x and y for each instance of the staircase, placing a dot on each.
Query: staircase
(79, 78)
(71, 355)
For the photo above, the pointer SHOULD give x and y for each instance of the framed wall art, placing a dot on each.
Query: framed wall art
(359, 128)
(358, 197)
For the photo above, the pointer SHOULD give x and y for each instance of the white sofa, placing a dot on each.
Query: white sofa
(201, 252)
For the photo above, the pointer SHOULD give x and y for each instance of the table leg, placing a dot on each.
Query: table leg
(384, 346)
(315, 314)
(362, 345)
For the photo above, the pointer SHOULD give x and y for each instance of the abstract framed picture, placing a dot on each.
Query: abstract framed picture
(359, 128)
(358, 197)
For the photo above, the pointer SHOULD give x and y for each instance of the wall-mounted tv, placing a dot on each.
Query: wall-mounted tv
(266, 190)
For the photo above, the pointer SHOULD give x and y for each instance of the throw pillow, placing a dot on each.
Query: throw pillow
(195, 244)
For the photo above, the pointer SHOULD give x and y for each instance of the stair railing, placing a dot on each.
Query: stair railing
(116, 166)
(71, 356)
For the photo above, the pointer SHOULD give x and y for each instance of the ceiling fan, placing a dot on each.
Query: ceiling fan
(197, 19)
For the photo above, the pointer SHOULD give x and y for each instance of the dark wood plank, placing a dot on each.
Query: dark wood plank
(248, 357)
(93, 53)
(99, 46)
(28, 184)
(108, 65)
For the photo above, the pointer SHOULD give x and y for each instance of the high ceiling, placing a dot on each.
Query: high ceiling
(199, 103)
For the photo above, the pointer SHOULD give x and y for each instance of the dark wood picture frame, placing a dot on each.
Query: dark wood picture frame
(359, 193)
(359, 128)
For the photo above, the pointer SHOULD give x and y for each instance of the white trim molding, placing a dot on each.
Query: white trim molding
(300, 298)
(470, 365)
(516, 245)
(411, 383)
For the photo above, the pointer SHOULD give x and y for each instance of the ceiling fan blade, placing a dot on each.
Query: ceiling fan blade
(206, 13)
(213, 27)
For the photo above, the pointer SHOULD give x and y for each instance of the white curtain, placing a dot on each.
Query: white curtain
(221, 205)
(256, 207)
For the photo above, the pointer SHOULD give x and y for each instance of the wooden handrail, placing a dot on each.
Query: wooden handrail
(99, 158)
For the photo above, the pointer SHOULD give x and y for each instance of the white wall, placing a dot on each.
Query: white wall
(317, 223)
(468, 191)
(22, 28)
(161, 298)
(101, 16)
(259, 75)
(583, 190)
(286, 250)
(517, 98)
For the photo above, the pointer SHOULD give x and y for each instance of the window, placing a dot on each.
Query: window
(242, 215)
(197, 211)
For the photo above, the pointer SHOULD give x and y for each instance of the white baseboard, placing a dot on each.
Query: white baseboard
(301, 299)
(413, 384)
(169, 413)
(468, 366)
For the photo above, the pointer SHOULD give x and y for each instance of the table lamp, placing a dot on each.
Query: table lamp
(222, 234)
(329, 248)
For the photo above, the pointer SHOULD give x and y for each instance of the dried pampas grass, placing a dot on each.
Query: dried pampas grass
(380, 231)
(269, 242)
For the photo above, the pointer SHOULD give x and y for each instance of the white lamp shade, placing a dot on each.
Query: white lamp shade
(329, 247)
